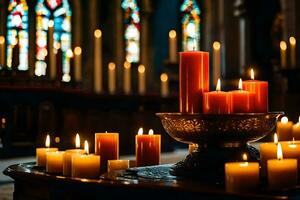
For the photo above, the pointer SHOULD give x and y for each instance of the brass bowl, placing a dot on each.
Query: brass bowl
(231, 130)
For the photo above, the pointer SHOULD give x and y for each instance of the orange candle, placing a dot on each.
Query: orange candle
(147, 148)
(296, 130)
(241, 101)
(285, 129)
(107, 146)
(41, 153)
(260, 90)
(268, 151)
(54, 162)
(282, 173)
(216, 102)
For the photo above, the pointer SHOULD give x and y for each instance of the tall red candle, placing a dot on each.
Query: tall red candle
(147, 148)
(216, 102)
(241, 101)
(107, 146)
(260, 90)
(193, 80)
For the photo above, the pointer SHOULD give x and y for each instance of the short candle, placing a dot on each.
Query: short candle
(285, 129)
(296, 130)
(54, 162)
(41, 153)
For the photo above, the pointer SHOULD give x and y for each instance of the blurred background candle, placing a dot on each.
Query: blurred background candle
(141, 80)
(267, 151)
(216, 61)
(107, 146)
(51, 54)
(260, 90)
(292, 41)
(164, 85)
(127, 77)
(77, 64)
(172, 46)
(282, 173)
(241, 176)
(117, 165)
(112, 78)
(2, 50)
(98, 87)
(283, 48)
(216, 102)
(54, 162)
(67, 159)
(147, 148)
(285, 129)
(86, 165)
(296, 130)
(193, 80)
(41, 153)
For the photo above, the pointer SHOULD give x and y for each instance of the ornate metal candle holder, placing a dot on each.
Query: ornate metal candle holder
(220, 138)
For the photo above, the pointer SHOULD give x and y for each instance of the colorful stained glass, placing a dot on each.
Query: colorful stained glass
(190, 25)
(17, 32)
(60, 12)
(132, 30)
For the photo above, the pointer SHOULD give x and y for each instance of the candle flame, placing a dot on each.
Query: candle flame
(151, 132)
(218, 87)
(50, 23)
(275, 138)
(47, 143)
(292, 40)
(70, 53)
(77, 141)
(97, 33)
(216, 45)
(141, 69)
(127, 65)
(240, 84)
(299, 120)
(172, 33)
(279, 152)
(86, 147)
(283, 45)
(245, 157)
(77, 51)
(111, 66)
(164, 77)
(284, 120)
(2, 39)
(252, 74)
(140, 132)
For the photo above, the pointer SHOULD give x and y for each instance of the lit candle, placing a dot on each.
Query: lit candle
(216, 102)
(67, 159)
(292, 41)
(54, 162)
(113, 165)
(147, 148)
(260, 90)
(296, 130)
(66, 72)
(127, 77)
(172, 46)
(77, 64)
(107, 146)
(141, 80)
(2, 51)
(86, 165)
(41, 153)
(216, 61)
(291, 149)
(241, 101)
(98, 61)
(267, 151)
(58, 60)
(283, 48)
(241, 176)
(285, 129)
(111, 78)
(282, 173)
(164, 85)
(51, 54)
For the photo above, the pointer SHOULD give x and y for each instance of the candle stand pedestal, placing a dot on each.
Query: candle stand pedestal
(220, 139)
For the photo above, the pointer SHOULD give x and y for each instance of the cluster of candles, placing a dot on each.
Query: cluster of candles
(292, 51)
(278, 162)
(79, 163)
(194, 95)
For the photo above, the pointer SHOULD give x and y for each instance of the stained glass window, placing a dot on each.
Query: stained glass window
(60, 12)
(190, 25)
(131, 30)
(17, 32)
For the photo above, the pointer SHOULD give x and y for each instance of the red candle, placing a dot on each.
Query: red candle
(260, 90)
(107, 146)
(216, 102)
(147, 148)
(194, 80)
(241, 101)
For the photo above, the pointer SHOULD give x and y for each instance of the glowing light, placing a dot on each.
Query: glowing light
(50, 23)
(217, 45)
(252, 74)
(140, 132)
(77, 51)
(284, 120)
(172, 33)
(57, 139)
(292, 40)
(279, 152)
(111, 66)
(69, 53)
(150, 132)
(275, 138)
(245, 158)
(240, 84)
(86, 147)
(77, 141)
(283, 45)
(218, 87)
(2, 39)
(127, 65)
(47, 142)
(97, 33)
(141, 69)
(164, 77)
